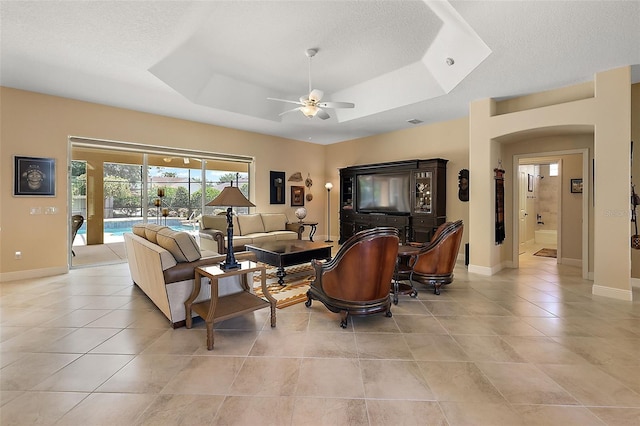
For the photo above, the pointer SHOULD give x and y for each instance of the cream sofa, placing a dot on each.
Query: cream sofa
(247, 229)
(162, 264)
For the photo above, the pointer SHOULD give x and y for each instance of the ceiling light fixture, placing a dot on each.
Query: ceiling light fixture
(309, 110)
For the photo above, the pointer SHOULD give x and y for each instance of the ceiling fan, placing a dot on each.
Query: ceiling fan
(310, 104)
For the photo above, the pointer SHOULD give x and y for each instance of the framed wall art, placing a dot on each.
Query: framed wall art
(297, 196)
(276, 187)
(33, 176)
(576, 186)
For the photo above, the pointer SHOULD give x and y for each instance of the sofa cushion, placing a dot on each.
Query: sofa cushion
(219, 222)
(181, 245)
(250, 223)
(139, 229)
(274, 221)
(284, 235)
(262, 237)
(239, 241)
(152, 230)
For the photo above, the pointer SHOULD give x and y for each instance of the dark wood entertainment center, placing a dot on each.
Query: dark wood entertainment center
(408, 195)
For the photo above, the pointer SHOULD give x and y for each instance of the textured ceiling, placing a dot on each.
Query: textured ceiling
(217, 61)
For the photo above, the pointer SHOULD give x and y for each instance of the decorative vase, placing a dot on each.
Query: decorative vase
(301, 213)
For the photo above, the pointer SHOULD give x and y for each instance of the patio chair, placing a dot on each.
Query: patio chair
(76, 222)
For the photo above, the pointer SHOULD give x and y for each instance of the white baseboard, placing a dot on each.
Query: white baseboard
(613, 293)
(485, 270)
(571, 262)
(33, 273)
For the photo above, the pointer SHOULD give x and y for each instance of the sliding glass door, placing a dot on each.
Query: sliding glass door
(114, 188)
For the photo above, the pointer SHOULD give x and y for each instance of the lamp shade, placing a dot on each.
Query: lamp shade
(328, 185)
(231, 197)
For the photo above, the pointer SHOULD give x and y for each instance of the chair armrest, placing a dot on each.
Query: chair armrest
(215, 235)
(296, 227)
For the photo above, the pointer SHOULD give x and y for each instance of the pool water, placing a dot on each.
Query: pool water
(120, 228)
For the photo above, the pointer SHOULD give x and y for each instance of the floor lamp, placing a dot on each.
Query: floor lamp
(231, 197)
(328, 185)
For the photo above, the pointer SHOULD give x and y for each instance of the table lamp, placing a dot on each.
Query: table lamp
(230, 197)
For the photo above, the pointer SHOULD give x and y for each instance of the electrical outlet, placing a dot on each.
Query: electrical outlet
(18, 255)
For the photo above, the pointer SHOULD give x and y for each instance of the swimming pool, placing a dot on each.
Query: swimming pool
(118, 227)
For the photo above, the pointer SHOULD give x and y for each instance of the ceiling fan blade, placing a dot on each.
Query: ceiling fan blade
(286, 100)
(316, 95)
(290, 110)
(322, 114)
(336, 105)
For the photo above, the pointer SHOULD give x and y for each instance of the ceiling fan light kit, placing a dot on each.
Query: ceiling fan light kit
(310, 104)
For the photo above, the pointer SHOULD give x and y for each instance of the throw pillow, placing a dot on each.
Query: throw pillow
(250, 224)
(152, 230)
(274, 222)
(181, 245)
(139, 229)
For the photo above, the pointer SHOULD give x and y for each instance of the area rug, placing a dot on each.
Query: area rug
(296, 284)
(547, 252)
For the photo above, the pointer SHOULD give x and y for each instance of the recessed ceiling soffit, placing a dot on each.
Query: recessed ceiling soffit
(433, 62)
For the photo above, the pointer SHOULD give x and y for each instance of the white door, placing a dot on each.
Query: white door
(522, 197)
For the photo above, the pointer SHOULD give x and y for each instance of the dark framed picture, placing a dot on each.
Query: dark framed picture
(529, 183)
(33, 176)
(297, 196)
(576, 186)
(276, 187)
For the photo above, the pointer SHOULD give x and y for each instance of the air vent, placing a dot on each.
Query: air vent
(414, 121)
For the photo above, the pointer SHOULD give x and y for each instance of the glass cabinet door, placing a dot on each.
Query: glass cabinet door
(423, 192)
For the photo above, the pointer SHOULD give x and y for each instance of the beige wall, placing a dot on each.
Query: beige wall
(635, 172)
(448, 140)
(608, 114)
(39, 125)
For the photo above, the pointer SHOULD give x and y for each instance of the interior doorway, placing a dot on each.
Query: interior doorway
(568, 224)
(540, 211)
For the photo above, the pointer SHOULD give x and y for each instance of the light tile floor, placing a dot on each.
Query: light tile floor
(524, 347)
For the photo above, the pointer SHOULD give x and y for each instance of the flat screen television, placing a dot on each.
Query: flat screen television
(383, 193)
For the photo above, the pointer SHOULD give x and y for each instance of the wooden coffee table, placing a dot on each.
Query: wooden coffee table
(288, 253)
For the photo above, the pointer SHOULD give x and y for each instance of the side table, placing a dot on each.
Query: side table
(312, 231)
(221, 308)
(403, 270)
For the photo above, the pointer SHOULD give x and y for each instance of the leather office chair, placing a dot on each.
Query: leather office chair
(434, 263)
(76, 222)
(358, 279)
